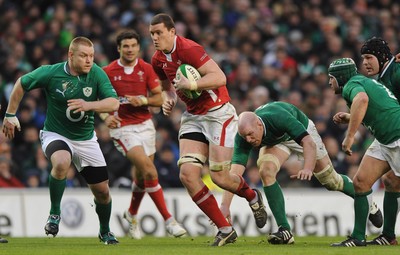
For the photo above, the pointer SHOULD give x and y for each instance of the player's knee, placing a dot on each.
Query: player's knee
(268, 162)
(361, 184)
(150, 173)
(187, 177)
(220, 177)
(60, 163)
(329, 178)
(101, 193)
(268, 165)
(391, 182)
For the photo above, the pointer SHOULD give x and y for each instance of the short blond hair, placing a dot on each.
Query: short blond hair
(73, 46)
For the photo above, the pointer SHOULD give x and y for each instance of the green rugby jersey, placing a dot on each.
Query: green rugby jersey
(60, 86)
(383, 113)
(390, 77)
(282, 122)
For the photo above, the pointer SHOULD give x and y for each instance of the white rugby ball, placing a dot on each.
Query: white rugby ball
(191, 74)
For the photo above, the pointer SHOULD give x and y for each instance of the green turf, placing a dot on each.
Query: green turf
(188, 245)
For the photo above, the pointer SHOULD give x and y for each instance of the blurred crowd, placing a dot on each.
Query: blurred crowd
(269, 50)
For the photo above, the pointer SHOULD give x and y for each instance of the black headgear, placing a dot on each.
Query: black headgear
(379, 48)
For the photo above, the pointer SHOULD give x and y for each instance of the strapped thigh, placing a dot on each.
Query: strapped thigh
(195, 159)
(269, 158)
(220, 166)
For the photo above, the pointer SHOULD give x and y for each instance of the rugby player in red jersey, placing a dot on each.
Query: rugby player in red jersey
(208, 126)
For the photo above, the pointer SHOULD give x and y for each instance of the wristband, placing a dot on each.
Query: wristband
(8, 115)
(144, 100)
(193, 85)
(103, 115)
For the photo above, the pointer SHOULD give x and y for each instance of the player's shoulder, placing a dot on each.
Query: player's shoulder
(395, 68)
(50, 70)
(184, 43)
(111, 66)
(57, 66)
(143, 63)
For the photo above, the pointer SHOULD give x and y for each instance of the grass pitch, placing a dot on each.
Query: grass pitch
(187, 245)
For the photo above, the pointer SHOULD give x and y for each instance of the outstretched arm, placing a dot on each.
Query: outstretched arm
(310, 157)
(155, 99)
(10, 120)
(109, 104)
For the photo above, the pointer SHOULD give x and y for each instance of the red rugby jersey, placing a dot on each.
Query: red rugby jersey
(186, 51)
(139, 82)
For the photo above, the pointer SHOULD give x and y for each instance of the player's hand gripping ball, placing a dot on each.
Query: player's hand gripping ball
(191, 74)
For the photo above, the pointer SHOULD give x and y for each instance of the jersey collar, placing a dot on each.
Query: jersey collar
(66, 68)
(265, 129)
(120, 63)
(173, 48)
(386, 68)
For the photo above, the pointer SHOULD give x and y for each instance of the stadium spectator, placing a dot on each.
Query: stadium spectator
(7, 178)
(281, 129)
(168, 171)
(377, 108)
(75, 90)
(207, 126)
(132, 129)
(252, 177)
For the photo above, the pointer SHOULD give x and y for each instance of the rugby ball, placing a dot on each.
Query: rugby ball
(191, 74)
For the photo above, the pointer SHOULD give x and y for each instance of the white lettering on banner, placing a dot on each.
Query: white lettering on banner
(310, 212)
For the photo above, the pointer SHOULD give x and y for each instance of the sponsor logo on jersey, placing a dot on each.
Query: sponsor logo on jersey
(117, 78)
(64, 85)
(87, 91)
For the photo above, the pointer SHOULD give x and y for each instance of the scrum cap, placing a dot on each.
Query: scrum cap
(379, 48)
(342, 69)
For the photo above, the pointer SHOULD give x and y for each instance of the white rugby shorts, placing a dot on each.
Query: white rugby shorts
(218, 126)
(292, 147)
(142, 134)
(84, 153)
(389, 153)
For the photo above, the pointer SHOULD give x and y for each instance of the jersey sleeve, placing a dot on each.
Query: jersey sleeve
(351, 90)
(241, 151)
(38, 78)
(152, 78)
(105, 88)
(157, 68)
(196, 56)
